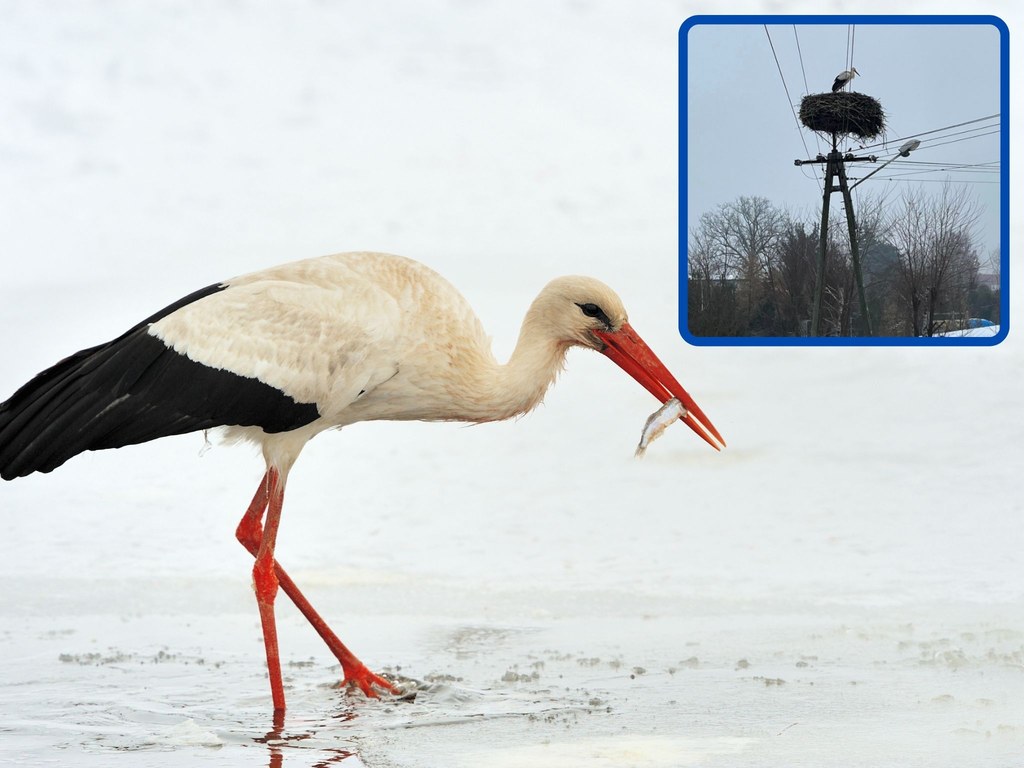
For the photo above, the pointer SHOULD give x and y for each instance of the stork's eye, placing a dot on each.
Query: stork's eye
(594, 311)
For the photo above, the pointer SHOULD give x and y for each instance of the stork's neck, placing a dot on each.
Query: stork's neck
(503, 391)
(535, 364)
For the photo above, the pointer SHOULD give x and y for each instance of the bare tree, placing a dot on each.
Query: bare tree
(797, 253)
(737, 243)
(839, 289)
(908, 232)
(938, 262)
(879, 260)
(702, 266)
(751, 268)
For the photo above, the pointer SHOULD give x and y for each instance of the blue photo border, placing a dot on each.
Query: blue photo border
(1004, 168)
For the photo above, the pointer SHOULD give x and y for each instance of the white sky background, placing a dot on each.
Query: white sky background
(743, 137)
(197, 146)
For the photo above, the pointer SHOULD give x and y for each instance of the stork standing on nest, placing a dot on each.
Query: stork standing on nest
(844, 78)
(278, 356)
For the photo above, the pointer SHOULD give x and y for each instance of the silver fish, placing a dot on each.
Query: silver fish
(658, 422)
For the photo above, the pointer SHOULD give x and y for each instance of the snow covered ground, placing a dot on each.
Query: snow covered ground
(842, 586)
(982, 332)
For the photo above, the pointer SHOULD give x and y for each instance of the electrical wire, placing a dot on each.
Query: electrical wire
(807, 90)
(800, 54)
(928, 133)
(935, 181)
(930, 170)
(932, 145)
(990, 167)
(789, 99)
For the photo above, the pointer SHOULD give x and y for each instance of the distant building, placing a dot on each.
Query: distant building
(989, 279)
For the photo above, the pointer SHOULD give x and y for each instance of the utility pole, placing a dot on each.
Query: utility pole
(831, 115)
(819, 279)
(835, 166)
(851, 225)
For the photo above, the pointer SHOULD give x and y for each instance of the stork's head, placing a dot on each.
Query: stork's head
(573, 309)
(853, 71)
(582, 311)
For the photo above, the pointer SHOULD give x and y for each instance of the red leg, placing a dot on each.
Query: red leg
(250, 528)
(265, 583)
(250, 534)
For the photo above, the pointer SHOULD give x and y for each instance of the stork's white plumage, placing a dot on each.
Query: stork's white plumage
(843, 79)
(278, 356)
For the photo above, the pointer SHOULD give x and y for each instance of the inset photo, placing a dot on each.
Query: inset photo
(843, 180)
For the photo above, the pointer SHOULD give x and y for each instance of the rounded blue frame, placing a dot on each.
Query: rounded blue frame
(1004, 187)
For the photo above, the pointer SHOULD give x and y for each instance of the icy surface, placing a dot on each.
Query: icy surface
(842, 586)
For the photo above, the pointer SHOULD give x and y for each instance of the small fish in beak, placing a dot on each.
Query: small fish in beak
(658, 422)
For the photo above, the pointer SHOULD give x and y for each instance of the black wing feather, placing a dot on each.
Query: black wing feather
(128, 391)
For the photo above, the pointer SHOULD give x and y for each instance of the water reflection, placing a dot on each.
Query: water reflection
(435, 701)
(316, 740)
(277, 741)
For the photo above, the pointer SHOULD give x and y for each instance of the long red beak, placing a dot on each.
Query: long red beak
(628, 351)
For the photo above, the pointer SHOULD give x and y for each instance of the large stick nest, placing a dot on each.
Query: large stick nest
(845, 112)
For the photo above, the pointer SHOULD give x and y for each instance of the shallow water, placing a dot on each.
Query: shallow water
(683, 686)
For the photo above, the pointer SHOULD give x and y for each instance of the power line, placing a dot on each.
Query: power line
(800, 54)
(992, 163)
(924, 167)
(989, 167)
(807, 90)
(935, 181)
(965, 131)
(954, 141)
(789, 99)
(932, 170)
(970, 130)
(927, 133)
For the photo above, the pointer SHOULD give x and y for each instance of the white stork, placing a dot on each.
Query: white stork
(844, 78)
(278, 356)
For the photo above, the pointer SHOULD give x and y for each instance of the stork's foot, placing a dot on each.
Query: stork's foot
(362, 679)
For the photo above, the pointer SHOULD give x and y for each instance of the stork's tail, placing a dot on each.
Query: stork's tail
(96, 398)
(128, 391)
